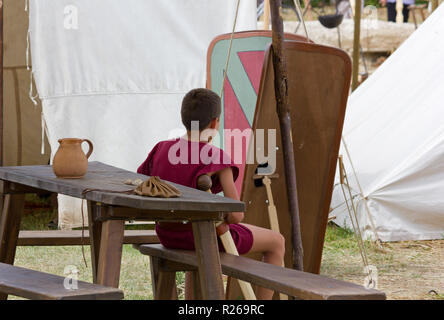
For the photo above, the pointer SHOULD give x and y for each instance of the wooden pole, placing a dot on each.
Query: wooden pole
(1, 83)
(435, 4)
(273, 217)
(356, 43)
(266, 14)
(283, 111)
(230, 247)
(399, 15)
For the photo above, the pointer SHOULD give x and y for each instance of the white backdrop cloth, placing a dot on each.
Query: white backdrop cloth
(394, 130)
(115, 71)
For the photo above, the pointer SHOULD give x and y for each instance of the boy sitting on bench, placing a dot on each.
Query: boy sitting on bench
(184, 159)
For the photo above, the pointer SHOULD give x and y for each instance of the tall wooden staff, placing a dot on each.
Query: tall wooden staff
(356, 43)
(283, 111)
(1, 83)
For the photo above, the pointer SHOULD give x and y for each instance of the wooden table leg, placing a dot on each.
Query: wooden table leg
(9, 228)
(210, 271)
(197, 291)
(95, 232)
(10, 225)
(110, 255)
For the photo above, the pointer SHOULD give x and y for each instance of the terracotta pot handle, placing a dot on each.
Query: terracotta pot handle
(90, 147)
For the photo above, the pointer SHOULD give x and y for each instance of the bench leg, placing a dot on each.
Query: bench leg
(110, 255)
(163, 282)
(210, 271)
(10, 219)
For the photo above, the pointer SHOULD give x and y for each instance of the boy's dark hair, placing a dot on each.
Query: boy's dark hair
(201, 105)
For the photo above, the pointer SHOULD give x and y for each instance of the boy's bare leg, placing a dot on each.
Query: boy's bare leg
(272, 245)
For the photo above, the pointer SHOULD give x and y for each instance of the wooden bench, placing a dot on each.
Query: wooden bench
(74, 237)
(38, 285)
(298, 284)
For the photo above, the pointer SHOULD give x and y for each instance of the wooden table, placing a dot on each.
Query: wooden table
(108, 211)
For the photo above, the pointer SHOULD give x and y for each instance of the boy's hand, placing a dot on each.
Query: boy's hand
(222, 228)
(234, 217)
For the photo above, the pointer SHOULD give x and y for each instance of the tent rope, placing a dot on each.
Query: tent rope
(31, 89)
(227, 62)
(301, 16)
(372, 223)
(354, 221)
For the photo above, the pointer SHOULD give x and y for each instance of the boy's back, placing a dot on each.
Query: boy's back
(182, 161)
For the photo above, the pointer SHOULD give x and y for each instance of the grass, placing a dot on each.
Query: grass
(135, 277)
(135, 273)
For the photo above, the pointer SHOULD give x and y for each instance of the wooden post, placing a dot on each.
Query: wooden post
(435, 4)
(356, 43)
(283, 111)
(399, 15)
(1, 83)
(266, 14)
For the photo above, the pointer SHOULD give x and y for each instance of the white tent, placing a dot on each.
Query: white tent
(394, 131)
(115, 71)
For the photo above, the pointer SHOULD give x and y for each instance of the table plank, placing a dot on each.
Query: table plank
(74, 237)
(106, 177)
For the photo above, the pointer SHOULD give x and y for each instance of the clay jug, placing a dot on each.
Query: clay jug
(70, 162)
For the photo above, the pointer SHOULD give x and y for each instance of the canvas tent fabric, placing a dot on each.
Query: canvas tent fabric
(395, 135)
(115, 71)
(21, 119)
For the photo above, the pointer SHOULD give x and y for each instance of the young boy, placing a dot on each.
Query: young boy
(176, 161)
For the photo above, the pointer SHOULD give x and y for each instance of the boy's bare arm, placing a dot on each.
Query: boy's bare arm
(230, 191)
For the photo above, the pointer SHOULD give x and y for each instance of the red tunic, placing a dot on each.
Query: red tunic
(182, 162)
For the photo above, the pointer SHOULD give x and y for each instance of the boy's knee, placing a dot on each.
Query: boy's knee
(280, 241)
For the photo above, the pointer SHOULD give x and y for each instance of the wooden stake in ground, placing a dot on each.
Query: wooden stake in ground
(356, 43)
(283, 111)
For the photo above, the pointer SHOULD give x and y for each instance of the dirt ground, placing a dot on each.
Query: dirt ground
(405, 270)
